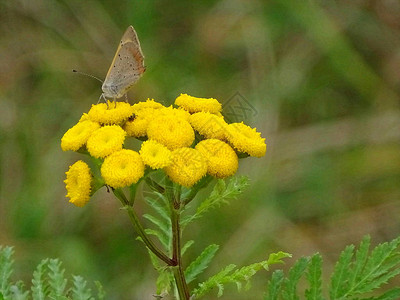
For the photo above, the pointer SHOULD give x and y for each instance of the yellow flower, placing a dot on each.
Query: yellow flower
(209, 125)
(106, 140)
(155, 155)
(194, 104)
(144, 113)
(149, 103)
(137, 127)
(78, 135)
(78, 183)
(170, 131)
(187, 167)
(222, 160)
(174, 112)
(84, 117)
(246, 139)
(110, 113)
(122, 168)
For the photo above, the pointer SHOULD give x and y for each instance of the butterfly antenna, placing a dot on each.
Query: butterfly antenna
(76, 71)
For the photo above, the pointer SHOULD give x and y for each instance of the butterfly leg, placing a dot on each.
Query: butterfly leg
(102, 97)
(126, 98)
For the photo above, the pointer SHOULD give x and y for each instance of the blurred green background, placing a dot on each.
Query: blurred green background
(323, 79)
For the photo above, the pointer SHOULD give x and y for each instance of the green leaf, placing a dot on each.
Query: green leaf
(356, 274)
(6, 269)
(79, 290)
(39, 285)
(160, 205)
(187, 246)
(339, 283)
(361, 258)
(101, 294)
(56, 279)
(17, 291)
(214, 281)
(165, 241)
(229, 275)
(314, 278)
(393, 294)
(219, 195)
(200, 263)
(274, 286)
(164, 281)
(276, 258)
(295, 273)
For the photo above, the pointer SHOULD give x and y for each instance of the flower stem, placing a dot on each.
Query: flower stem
(140, 230)
(179, 275)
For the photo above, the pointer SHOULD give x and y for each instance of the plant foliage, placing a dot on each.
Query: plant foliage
(358, 275)
(49, 282)
(231, 274)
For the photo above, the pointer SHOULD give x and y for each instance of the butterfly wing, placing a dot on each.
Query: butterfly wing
(126, 67)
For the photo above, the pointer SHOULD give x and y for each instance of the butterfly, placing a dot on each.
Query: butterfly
(126, 68)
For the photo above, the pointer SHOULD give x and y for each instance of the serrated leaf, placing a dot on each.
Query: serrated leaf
(339, 283)
(79, 290)
(361, 258)
(229, 275)
(56, 279)
(393, 294)
(200, 263)
(163, 225)
(39, 285)
(276, 258)
(314, 278)
(165, 241)
(101, 294)
(212, 282)
(160, 205)
(187, 246)
(6, 269)
(164, 281)
(220, 194)
(295, 273)
(274, 286)
(17, 291)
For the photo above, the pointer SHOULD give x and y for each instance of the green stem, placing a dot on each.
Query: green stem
(140, 230)
(179, 275)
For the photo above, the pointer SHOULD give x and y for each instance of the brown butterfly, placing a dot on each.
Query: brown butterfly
(126, 67)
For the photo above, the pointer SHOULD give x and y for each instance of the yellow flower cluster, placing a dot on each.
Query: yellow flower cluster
(187, 141)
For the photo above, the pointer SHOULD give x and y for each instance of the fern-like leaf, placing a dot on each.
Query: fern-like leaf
(162, 221)
(165, 240)
(230, 275)
(79, 290)
(39, 285)
(314, 275)
(290, 283)
(339, 279)
(274, 286)
(160, 205)
(56, 279)
(101, 294)
(18, 291)
(200, 263)
(164, 281)
(356, 275)
(212, 282)
(6, 269)
(187, 246)
(220, 195)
